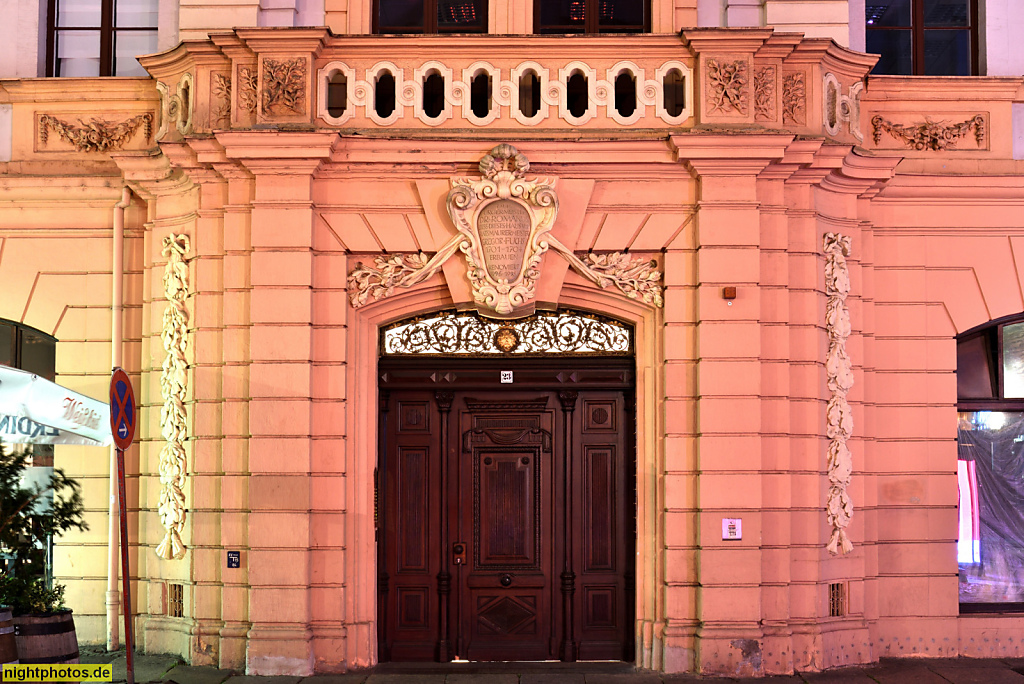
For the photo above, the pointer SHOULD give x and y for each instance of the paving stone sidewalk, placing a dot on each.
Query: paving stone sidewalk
(167, 669)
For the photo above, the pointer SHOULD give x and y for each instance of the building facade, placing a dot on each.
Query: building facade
(491, 331)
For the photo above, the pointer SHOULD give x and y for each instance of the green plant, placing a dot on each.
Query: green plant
(29, 516)
(30, 595)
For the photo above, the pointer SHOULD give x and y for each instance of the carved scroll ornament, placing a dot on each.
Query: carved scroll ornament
(503, 221)
(727, 86)
(839, 372)
(97, 135)
(930, 135)
(173, 386)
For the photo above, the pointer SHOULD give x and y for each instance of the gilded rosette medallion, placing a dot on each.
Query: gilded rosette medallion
(504, 219)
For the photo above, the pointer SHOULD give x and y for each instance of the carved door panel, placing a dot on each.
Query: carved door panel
(409, 487)
(504, 517)
(507, 525)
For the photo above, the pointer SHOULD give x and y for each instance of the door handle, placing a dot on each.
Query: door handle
(506, 580)
(459, 553)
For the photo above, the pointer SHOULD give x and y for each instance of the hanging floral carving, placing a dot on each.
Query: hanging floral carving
(173, 386)
(284, 85)
(764, 93)
(930, 135)
(727, 86)
(96, 135)
(793, 99)
(839, 373)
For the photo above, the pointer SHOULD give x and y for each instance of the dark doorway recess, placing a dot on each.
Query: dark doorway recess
(506, 511)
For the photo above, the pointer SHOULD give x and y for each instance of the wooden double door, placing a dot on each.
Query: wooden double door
(506, 521)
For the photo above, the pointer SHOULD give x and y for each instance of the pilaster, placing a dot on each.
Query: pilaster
(727, 347)
(281, 408)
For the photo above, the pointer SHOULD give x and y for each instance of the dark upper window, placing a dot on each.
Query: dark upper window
(99, 37)
(430, 16)
(923, 37)
(27, 349)
(990, 466)
(592, 16)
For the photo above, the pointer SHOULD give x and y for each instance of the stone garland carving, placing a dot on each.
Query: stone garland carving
(173, 386)
(727, 86)
(97, 135)
(247, 82)
(635, 277)
(370, 284)
(284, 85)
(504, 255)
(930, 135)
(839, 371)
(794, 99)
(220, 89)
(764, 93)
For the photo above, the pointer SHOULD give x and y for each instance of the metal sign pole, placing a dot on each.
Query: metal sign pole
(122, 427)
(129, 635)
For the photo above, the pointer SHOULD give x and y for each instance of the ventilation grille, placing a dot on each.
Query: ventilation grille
(837, 593)
(175, 600)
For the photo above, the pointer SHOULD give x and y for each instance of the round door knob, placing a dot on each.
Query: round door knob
(459, 548)
(506, 580)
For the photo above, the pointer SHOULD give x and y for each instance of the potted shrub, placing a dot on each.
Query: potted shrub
(30, 515)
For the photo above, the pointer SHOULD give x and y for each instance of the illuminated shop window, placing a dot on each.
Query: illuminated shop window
(990, 467)
(430, 16)
(923, 37)
(99, 37)
(591, 16)
(33, 351)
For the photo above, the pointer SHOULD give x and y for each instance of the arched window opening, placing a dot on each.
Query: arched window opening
(577, 94)
(433, 94)
(384, 95)
(674, 92)
(625, 94)
(480, 94)
(529, 93)
(990, 466)
(337, 94)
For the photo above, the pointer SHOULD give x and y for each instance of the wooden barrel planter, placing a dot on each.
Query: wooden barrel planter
(8, 645)
(46, 638)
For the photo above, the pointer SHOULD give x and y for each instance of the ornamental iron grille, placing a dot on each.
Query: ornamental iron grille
(454, 333)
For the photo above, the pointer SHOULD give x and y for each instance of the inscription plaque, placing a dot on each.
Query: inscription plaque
(504, 228)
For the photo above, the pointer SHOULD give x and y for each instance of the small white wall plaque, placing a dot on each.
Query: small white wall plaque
(506, 377)
(732, 528)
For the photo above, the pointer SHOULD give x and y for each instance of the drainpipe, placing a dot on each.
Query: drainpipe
(116, 342)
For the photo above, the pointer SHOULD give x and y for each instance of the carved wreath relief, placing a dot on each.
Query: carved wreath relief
(930, 135)
(726, 86)
(794, 100)
(764, 93)
(247, 82)
(284, 85)
(503, 221)
(220, 89)
(173, 387)
(839, 371)
(96, 135)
